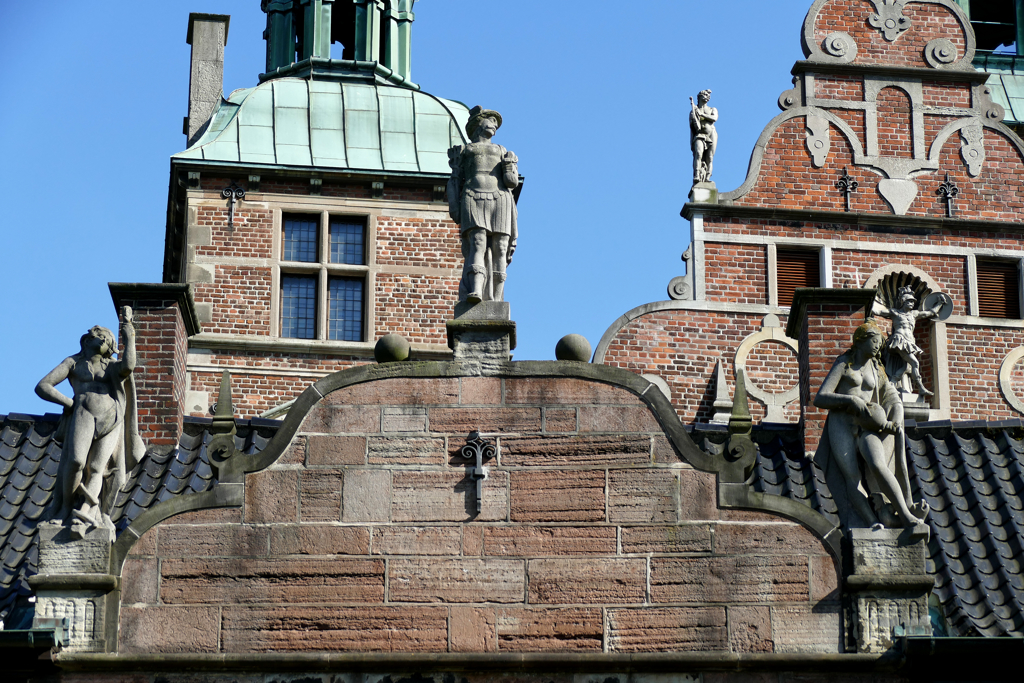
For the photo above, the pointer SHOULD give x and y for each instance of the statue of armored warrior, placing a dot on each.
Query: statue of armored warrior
(901, 352)
(703, 136)
(480, 200)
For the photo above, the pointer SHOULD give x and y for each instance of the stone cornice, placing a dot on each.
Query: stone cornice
(897, 72)
(157, 291)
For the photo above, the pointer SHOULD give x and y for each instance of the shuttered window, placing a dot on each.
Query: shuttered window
(796, 268)
(998, 289)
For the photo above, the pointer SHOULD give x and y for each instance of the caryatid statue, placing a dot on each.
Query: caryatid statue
(98, 429)
(480, 200)
(703, 136)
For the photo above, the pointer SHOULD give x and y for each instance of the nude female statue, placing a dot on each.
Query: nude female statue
(900, 348)
(93, 459)
(480, 200)
(703, 136)
(864, 430)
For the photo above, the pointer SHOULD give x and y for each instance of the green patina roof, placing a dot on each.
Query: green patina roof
(1008, 90)
(330, 124)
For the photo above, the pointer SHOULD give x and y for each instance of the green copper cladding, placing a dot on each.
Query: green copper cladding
(372, 31)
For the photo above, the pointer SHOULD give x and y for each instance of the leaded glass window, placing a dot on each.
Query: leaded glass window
(298, 306)
(346, 309)
(347, 242)
(300, 238)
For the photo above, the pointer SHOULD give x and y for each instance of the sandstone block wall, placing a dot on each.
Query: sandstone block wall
(593, 537)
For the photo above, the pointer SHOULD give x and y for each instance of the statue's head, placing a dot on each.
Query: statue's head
(703, 97)
(478, 116)
(103, 336)
(906, 296)
(868, 334)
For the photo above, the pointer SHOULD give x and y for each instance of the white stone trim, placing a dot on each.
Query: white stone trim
(1005, 378)
(849, 245)
(773, 274)
(775, 404)
(972, 285)
(825, 266)
(699, 274)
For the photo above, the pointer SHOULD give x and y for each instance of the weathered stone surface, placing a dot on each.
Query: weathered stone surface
(549, 630)
(168, 629)
(406, 451)
(320, 628)
(481, 391)
(593, 451)
(587, 581)
(366, 496)
(61, 554)
(336, 450)
(750, 629)
(447, 497)
(214, 540)
(688, 538)
(558, 496)
(228, 581)
(667, 629)
(399, 391)
(643, 495)
(698, 495)
(272, 496)
(417, 540)
(404, 420)
(320, 495)
(457, 580)
(766, 539)
(472, 629)
(664, 452)
(319, 539)
(140, 580)
(824, 578)
(489, 420)
(559, 420)
(803, 628)
(210, 516)
(608, 419)
(729, 579)
(295, 454)
(768, 677)
(886, 552)
(472, 541)
(550, 390)
(540, 541)
(327, 418)
(146, 544)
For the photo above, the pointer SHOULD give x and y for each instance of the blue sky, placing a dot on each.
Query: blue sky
(594, 98)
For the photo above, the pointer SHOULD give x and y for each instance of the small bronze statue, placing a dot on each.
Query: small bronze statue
(864, 432)
(703, 137)
(901, 352)
(98, 427)
(480, 200)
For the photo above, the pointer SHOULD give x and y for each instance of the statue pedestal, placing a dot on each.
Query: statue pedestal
(889, 586)
(482, 332)
(74, 583)
(704, 193)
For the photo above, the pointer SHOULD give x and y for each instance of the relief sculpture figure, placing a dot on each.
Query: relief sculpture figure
(863, 436)
(480, 200)
(98, 428)
(901, 352)
(703, 136)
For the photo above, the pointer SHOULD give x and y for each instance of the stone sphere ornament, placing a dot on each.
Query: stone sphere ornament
(573, 347)
(391, 348)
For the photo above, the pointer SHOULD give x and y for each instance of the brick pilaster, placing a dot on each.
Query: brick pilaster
(165, 318)
(824, 321)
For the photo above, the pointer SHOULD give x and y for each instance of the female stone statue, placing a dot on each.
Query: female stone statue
(93, 459)
(703, 136)
(863, 435)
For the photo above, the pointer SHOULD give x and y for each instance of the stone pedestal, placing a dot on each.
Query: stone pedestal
(704, 193)
(889, 586)
(73, 583)
(482, 333)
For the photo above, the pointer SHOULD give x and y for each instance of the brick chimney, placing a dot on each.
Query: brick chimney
(823, 320)
(207, 34)
(165, 317)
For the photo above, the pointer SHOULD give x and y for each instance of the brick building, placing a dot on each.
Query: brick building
(641, 516)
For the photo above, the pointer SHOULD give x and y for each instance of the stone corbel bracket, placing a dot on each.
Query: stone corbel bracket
(841, 48)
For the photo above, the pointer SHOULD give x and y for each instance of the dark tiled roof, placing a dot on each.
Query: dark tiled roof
(28, 471)
(972, 476)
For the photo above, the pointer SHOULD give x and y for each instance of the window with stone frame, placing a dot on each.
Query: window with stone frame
(323, 270)
(998, 288)
(796, 268)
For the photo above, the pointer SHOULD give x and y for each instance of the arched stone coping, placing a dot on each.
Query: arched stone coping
(813, 51)
(1006, 378)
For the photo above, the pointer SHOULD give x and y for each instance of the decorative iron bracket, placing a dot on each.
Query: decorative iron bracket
(846, 184)
(478, 450)
(232, 194)
(948, 191)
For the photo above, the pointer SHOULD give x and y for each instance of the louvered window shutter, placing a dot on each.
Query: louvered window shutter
(998, 294)
(796, 268)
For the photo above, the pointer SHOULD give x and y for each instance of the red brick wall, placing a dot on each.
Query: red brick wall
(418, 242)
(593, 537)
(416, 306)
(853, 268)
(241, 300)
(975, 354)
(252, 234)
(894, 123)
(928, 22)
(739, 273)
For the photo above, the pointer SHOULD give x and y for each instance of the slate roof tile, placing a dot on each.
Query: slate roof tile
(29, 459)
